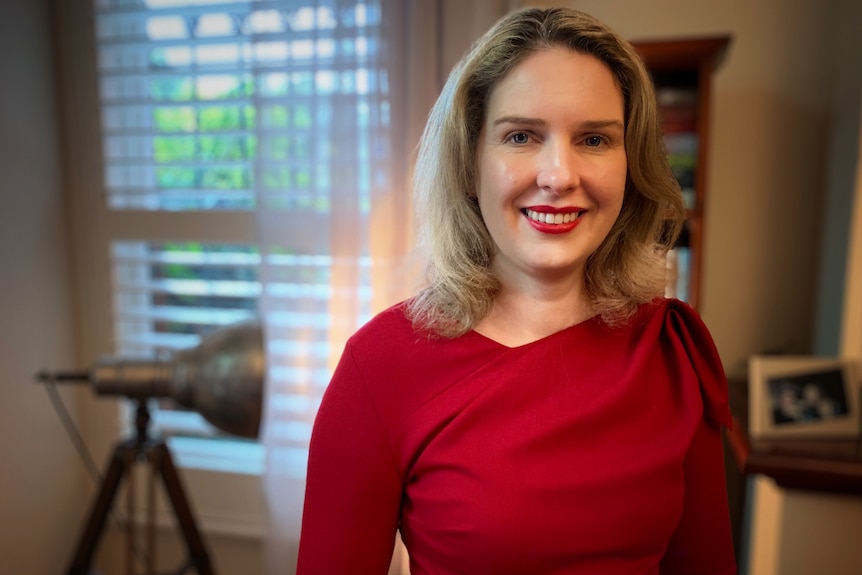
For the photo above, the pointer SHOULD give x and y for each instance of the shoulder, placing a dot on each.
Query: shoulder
(392, 320)
(390, 342)
(402, 368)
(686, 337)
(388, 332)
(388, 350)
(673, 317)
(661, 308)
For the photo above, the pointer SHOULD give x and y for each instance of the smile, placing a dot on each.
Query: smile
(552, 219)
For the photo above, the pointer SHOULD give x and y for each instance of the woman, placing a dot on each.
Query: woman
(538, 408)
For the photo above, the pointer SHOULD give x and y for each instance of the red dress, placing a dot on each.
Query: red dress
(594, 450)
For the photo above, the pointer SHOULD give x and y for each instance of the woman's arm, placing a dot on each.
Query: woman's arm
(353, 493)
(702, 543)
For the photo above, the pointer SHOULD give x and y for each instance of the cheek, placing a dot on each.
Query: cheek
(614, 178)
(487, 182)
(504, 182)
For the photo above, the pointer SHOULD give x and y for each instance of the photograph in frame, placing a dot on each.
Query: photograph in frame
(803, 397)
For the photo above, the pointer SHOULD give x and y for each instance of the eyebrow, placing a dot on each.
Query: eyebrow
(588, 125)
(518, 120)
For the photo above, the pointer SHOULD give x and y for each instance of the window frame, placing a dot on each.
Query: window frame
(224, 502)
(92, 229)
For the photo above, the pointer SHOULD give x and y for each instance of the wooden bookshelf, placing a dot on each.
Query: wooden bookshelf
(682, 72)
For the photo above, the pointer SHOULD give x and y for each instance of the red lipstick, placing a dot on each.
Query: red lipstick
(535, 215)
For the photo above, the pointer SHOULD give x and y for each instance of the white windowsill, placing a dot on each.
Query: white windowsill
(219, 455)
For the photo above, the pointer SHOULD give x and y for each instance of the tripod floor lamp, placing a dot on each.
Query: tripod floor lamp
(222, 379)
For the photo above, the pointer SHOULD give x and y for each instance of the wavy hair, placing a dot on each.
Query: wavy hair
(628, 267)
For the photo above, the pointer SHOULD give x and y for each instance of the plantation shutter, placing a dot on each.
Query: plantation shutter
(270, 117)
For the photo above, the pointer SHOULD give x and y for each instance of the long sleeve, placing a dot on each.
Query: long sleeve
(702, 542)
(353, 492)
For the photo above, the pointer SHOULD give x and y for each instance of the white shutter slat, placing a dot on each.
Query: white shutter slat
(258, 106)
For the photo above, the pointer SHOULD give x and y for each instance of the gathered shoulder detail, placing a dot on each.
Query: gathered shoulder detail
(683, 323)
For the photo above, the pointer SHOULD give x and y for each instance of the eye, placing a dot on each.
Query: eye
(595, 141)
(518, 138)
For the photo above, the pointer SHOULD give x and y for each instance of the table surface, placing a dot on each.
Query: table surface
(830, 465)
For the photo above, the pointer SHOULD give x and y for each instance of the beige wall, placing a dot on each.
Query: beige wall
(766, 160)
(795, 532)
(851, 332)
(42, 481)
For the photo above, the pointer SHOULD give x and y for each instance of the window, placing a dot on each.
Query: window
(245, 145)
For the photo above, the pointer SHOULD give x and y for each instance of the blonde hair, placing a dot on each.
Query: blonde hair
(628, 267)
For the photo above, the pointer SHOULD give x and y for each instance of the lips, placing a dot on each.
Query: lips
(553, 220)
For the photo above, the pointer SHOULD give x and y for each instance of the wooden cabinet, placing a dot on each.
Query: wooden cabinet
(814, 469)
(682, 73)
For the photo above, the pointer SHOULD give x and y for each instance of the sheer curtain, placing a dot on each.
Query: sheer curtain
(371, 83)
(334, 222)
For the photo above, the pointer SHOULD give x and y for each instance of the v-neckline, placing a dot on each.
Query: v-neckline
(574, 327)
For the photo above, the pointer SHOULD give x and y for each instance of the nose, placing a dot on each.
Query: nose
(558, 167)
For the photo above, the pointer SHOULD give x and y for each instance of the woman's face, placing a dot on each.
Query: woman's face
(552, 164)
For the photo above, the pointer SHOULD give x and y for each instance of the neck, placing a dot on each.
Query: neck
(525, 313)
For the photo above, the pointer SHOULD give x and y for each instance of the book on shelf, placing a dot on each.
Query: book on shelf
(678, 109)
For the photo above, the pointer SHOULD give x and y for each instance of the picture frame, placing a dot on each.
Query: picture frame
(803, 397)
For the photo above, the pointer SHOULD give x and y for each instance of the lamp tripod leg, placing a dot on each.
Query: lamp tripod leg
(99, 513)
(194, 542)
(198, 555)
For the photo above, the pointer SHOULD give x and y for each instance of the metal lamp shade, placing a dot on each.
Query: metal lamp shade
(222, 378)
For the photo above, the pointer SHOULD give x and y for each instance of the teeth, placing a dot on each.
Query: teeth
(551, 218)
